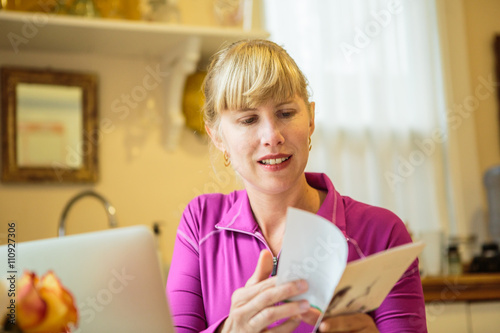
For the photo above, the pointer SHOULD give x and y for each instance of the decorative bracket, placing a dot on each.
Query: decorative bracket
(181, 62)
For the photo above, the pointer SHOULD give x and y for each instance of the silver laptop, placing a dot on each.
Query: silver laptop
(114, 276)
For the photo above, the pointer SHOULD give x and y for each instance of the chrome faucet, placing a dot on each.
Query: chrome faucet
(110, 210)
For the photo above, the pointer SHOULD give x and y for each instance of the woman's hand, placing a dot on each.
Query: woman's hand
(253, 306)
(353, 323)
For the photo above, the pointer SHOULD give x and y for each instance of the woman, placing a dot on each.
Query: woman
(257, 113)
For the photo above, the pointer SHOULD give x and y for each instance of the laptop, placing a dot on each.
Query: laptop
(114, 276)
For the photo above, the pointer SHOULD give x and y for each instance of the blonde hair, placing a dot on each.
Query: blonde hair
(248, 73)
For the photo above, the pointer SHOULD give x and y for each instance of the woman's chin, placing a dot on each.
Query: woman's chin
(273, 186)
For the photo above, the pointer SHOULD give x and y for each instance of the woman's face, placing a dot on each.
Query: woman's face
(268, 146)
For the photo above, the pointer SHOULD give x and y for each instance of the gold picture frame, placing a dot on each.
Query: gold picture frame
(49, 126)
(496, 49)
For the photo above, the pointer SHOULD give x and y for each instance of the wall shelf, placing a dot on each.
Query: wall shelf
(58, 33)
(178, 47)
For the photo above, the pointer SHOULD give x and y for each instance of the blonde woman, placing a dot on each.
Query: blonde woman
(258, 114)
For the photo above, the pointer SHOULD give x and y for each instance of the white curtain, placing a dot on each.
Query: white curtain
(375, 74)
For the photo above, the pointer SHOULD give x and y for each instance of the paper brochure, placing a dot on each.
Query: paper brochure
(316, 250)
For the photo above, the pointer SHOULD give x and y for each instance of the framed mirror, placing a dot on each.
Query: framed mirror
(49, 126)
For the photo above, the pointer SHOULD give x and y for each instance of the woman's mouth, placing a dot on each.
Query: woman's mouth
(274, 161)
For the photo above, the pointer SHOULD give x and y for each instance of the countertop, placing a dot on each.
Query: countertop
(466, 287)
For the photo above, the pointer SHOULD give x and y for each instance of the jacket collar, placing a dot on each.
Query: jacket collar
(240, 216)
(332, 208)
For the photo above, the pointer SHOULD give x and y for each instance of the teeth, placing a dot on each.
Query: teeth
(273, 161)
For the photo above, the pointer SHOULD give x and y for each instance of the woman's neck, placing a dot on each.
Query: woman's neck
(270, 209)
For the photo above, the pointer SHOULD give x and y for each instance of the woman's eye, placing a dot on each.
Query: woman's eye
(286, 113)
(248, 121)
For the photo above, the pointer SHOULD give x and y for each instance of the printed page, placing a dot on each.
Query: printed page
(367, 281)
(313, 249)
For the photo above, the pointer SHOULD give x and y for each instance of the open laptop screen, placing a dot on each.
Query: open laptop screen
(114, 276)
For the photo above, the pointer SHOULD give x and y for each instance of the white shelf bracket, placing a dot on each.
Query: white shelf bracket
(181, 61)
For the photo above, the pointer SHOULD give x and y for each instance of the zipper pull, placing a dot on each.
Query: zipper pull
(275, 266)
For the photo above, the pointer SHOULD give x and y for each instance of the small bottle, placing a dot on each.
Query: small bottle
(454, 262)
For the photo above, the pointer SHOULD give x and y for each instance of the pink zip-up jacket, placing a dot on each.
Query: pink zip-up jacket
(218, 245)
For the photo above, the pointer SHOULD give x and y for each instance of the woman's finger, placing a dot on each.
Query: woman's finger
(244, 295)
(280, 293)
(357, 322)
(311, 317)
(288, 326)
(271, 314)
(263, 269)
(268, 298)
(254, 305)
(257, 283)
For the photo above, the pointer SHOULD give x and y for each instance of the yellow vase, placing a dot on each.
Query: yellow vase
(192, 102)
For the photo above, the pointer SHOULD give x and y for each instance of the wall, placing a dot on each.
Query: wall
(483, 21)
(138, 176)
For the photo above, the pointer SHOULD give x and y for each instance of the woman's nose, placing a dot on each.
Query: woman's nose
(271, 134)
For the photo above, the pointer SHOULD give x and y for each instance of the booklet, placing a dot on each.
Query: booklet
(316, 250)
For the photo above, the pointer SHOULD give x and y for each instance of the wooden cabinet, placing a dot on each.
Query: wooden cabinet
(463, 304)
(467, 287)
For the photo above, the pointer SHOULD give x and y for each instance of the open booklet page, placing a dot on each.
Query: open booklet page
(367, 281)
(316, 250)
(313, 249)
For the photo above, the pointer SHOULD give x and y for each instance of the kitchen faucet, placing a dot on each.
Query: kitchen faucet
(110, 210)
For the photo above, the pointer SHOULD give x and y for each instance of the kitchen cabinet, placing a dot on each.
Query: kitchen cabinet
(467, 303)
(463, 317)
(452, 317)
(485, 317)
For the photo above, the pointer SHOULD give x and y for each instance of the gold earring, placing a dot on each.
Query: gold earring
(310, 145)
(227, 162)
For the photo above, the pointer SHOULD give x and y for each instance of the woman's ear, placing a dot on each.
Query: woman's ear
(312, 106)
(215, 137)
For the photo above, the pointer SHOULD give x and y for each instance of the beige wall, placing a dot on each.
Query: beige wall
(143, 180)
(483, 22)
